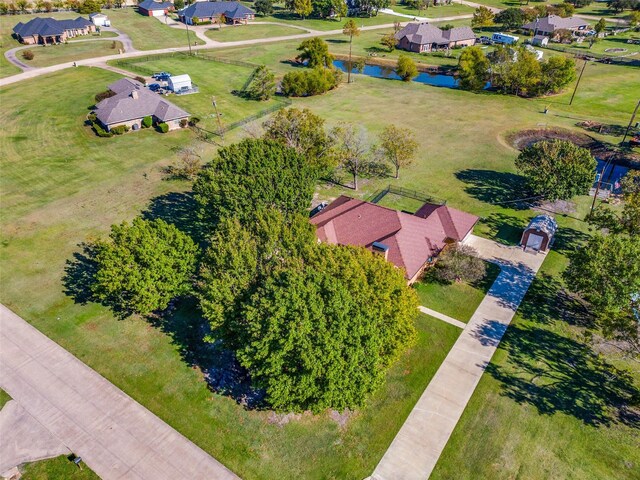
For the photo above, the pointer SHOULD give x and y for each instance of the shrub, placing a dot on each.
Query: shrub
(120, 129)
(459, 263)
(147, 121)
(310, 82)
(28, 55)
(163, 127)
(102, 95)
(114, 44)
(92, 117)
(101, 132)
(183, 123)
(141, 80)
(193, 121)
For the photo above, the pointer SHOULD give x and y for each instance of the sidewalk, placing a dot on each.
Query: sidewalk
(116, 437)
(414, 452)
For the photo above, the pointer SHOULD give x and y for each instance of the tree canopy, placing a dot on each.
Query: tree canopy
(281, 179)
(460, 263)
(143, 266)
(473, 69)
(303, 131)
(606, 273)
(323, 335)
(482, 17)
(628, 219)
(315, 51)
(557, 169)
(406, 68)
(398, 146)
(263, 84)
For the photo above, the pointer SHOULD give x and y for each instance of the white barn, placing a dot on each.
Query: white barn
(179, 82)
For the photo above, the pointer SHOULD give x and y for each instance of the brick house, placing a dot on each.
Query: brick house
(234, 12)
(154, 8)
(424, 37)
(548, 26)
(50, 31)
(410, 242)
(132, 102)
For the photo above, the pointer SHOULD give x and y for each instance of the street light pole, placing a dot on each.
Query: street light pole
(215, 106)
(186, 23)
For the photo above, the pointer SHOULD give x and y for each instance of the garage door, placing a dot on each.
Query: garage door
(534, 241)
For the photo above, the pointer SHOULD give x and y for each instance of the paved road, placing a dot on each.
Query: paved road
(416, 448)
(116, 437)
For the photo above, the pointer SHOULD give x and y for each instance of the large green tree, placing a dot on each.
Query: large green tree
(510, 18)
(473, 69)
(606, 273)
(482, 17)
(263, 7)
(315, 51)
(557, 169)
(557, 73)
(263, 84)
(240, 258)
(143, 266)
(303, 131)
(323, 335)
(280, 179)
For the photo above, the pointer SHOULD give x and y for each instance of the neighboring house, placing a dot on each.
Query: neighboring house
(539, 233)
(132, 102)
(177, 83)
(233, 12)
(408, 241)
(49, 30)
(540, 40)
(548, 26)
(99, 20)
(153, 8)
(424, 37)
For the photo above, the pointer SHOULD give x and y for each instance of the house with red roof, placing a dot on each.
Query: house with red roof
(410, 242)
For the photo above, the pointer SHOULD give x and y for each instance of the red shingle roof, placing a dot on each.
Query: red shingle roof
(412, 239)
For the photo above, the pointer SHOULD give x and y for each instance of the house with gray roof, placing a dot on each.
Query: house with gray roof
(154, 8)
(424, 37)
(132, 102)
(549, 26)
(49, 30)
(233, 12)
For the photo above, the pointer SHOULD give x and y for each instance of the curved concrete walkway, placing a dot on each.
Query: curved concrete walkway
(415, 450)
(116, 437)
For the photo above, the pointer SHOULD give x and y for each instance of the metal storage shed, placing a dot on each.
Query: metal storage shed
(539, 233)
(179, 82)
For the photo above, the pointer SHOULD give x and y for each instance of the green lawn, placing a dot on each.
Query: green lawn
(438, 11)
(214, 79)
(547, 406)
(245, 32)
(597, 9)
(54, 54)
(4, 398)
(458, 300)
(147, 33)
(281, 15)
(600, 47)
(57, 468)
(62, 185)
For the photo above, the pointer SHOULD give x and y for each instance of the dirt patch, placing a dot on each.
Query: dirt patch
(526, 138)
(341, 418)
(281, 419)
(559, 207)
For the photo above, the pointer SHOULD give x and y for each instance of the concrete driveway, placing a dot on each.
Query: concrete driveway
(117, 437)
(414, 452)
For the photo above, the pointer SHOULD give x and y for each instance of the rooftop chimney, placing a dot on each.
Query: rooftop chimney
(134, 94)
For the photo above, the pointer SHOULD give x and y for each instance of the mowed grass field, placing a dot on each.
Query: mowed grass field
(54, 54)
(62, 185)
(249, 31)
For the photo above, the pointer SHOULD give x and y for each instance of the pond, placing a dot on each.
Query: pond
(377, 71)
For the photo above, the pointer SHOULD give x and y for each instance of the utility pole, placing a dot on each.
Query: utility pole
(186, 24)
(215, 106)
(595, 194)
(633, 117)
(578, 82)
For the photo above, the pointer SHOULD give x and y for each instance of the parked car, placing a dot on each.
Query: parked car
(161, 76)
(485, 40)
(154, 87)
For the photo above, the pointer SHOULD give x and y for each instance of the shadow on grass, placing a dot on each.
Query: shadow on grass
(220, 369)
(558, 375)
(179, 209)
(493, 187)
(504, 228)
(79, 273)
